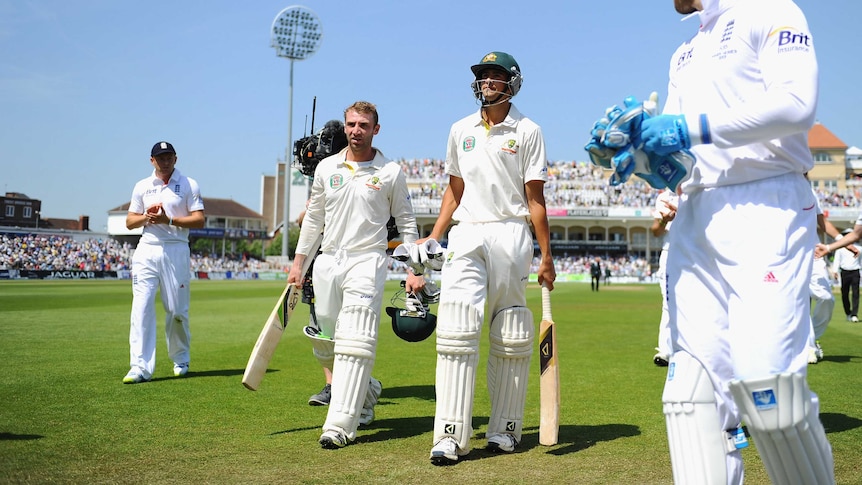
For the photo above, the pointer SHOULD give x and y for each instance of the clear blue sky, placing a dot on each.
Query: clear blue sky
(87, 87)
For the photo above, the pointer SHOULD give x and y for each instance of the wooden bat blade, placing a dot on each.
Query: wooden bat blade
(269, 337)
(549, 386)
(274, 327)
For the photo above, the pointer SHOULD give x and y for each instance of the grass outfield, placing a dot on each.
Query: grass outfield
(65, 416)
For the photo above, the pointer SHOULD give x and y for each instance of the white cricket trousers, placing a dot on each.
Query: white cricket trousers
(665, 346)
(738, 281)
(165, 267)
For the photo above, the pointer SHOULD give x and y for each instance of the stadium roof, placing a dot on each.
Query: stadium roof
(820, 138)
(214, 208)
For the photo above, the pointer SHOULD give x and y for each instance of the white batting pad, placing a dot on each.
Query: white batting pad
(322, 347)
(355, 346)
(511, 336)
(699, 447)
(782, 416)
(458, 332)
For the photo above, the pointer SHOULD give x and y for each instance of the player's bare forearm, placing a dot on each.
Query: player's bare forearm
(539, 218)
(135, 220)
(450, 202)
(294, 277)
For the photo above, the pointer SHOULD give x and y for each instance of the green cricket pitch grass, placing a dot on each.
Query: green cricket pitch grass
(66, 417)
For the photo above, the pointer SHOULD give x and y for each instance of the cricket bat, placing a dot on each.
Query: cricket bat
(549, 389)
(274, 327)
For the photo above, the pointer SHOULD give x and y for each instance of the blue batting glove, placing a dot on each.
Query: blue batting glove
(599, 153)
(669, 171)
(664, 134)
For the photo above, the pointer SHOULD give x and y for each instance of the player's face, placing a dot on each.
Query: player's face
(360, 130)
(164, 163)
(493, 83)
(686, 7)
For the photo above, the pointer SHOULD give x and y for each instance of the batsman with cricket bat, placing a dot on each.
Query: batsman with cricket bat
(353, 195)
(497, 170)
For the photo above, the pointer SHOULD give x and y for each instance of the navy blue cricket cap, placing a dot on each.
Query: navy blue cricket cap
(162, 147)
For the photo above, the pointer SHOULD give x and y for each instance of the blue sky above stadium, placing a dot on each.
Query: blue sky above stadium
(86, 88)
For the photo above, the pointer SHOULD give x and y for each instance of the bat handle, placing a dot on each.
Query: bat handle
(546, 303)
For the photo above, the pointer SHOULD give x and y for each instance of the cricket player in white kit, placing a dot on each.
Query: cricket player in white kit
(497, 170)
(742, 96)
(663, 215)
(353, 195)
(166, 204)
(820, 288)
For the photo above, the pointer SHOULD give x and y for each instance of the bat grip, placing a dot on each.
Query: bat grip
(546, 303)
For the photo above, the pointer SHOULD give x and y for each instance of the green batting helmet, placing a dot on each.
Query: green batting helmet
(503, 62)
(414, 323)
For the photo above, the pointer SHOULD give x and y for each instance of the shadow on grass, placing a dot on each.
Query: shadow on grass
(837, 422)
(208, 373)
(421, 392)
(19, 437)
(840, 359)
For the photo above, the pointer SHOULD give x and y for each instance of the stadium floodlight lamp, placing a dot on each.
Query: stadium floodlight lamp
(296, 35)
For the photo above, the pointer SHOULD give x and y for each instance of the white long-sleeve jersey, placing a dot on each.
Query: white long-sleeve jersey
(752, 71)
(353, 202)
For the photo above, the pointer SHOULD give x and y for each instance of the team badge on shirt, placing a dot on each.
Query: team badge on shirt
(469, 143)
(510, 146)
(374, 183)
(336, 180)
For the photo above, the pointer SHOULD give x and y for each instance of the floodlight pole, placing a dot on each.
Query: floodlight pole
(288, 167)
(296, 35)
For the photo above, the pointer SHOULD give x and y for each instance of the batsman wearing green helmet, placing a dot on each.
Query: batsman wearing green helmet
(497, 170)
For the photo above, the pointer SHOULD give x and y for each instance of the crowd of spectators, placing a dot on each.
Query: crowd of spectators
(58, 252)
(574, 184)
(628, 267)
(570, 184)
(53, 252)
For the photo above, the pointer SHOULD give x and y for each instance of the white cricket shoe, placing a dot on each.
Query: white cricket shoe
(818, 350)
(332, 440)
(812, 355)
(854, 318)
(502, 443)
(181, 369)
(375, 388)
(446, 452)
(135, 377)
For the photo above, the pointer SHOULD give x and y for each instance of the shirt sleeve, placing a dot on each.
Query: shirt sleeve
(402, 209)
(788, 66)
(312, 223)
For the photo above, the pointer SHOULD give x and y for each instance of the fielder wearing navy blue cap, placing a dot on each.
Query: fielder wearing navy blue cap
(162, 147)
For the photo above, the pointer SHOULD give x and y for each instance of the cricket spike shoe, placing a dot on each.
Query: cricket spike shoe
(445, 452)
(135, 377)
(332, 440)
(180, 370)
(502, 443)
(322, 398)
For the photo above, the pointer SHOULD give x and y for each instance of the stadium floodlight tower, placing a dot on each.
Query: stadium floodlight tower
(296, 35)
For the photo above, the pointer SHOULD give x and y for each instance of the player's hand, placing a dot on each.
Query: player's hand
(414, 283)
(547, 274)
(820, 250)
(663, 134)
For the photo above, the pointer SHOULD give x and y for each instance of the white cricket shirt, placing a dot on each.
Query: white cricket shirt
(354, 201)
(179, 197)
(752, 69)
(495, 163)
